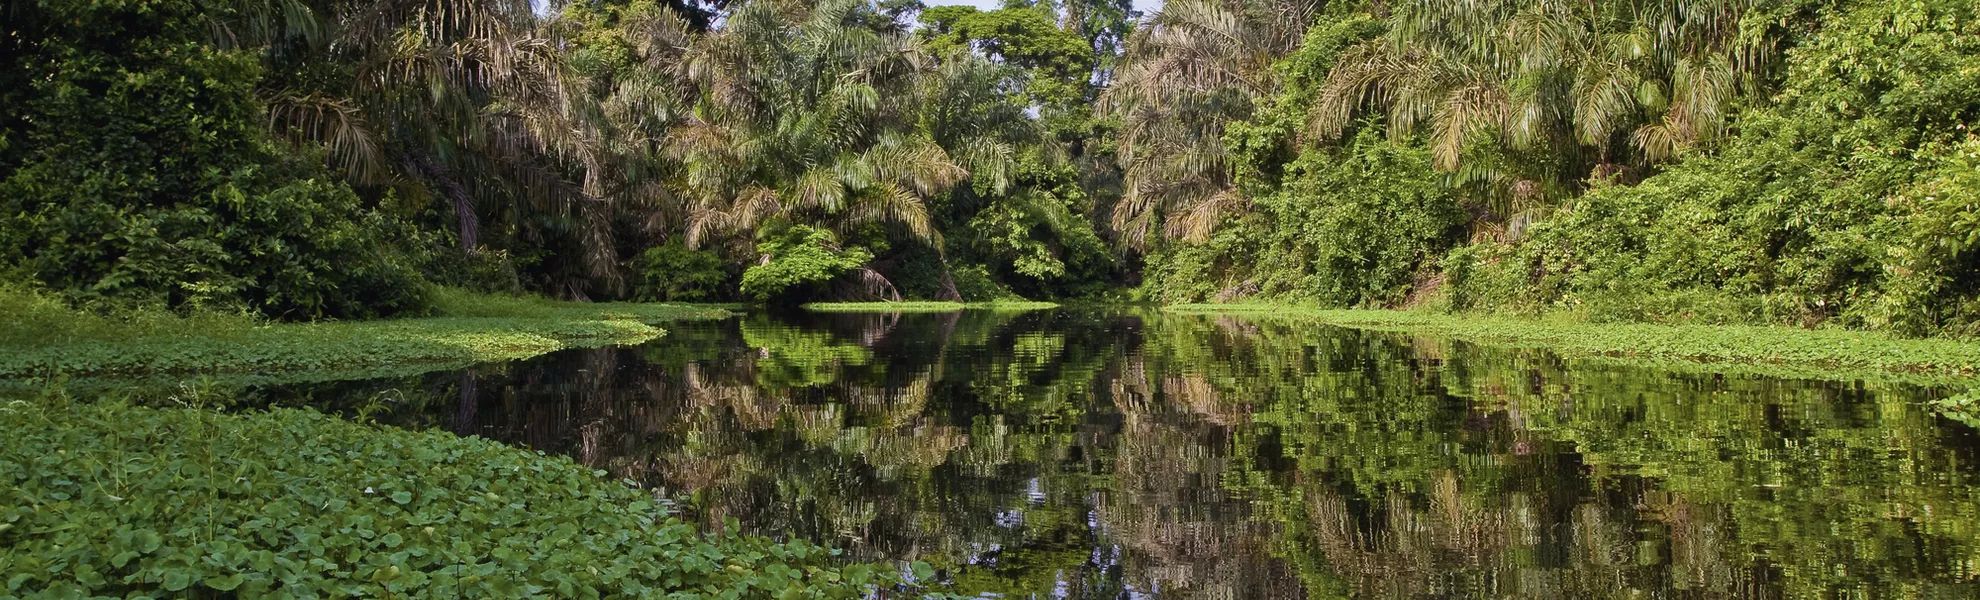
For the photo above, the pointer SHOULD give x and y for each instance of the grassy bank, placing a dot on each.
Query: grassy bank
(294, 503)
(43, 338)
(1012, 305)
(1788, 351)
(890, 307)
(908, 307)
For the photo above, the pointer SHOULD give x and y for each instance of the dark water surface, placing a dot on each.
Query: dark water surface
(1093, 454)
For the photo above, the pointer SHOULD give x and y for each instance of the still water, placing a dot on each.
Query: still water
(1108, 454)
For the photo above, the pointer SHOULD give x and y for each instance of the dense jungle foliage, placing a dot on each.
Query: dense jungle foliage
(1728, 161)
(306, 159)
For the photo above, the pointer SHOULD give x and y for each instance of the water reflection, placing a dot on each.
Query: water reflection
(1070, 454)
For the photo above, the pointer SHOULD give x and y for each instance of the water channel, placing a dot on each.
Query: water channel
(1122, 454)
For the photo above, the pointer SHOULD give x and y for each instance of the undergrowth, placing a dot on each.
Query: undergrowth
(108, 499)
(44, 338)
(893, 307)
(887, 307)
(1828, 352)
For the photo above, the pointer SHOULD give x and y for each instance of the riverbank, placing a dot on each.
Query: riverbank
(45, 340)
(1825, 353)
(296, 503)
(926, 307)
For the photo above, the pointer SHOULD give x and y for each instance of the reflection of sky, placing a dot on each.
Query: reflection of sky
(1145, 6)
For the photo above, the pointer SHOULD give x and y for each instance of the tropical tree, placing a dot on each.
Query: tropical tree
(1190, 69)
(468, 102)
(836, 116)
(1023, 216)
(804, 114)
(135, 168)
(1526, 98)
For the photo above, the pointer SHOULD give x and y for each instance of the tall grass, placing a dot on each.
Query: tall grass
(43, 336)
(1824, 353)
(452, 302)
(32, 317)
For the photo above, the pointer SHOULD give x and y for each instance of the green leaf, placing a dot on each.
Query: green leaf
(146, 541)
(177, 580)
(225, 584)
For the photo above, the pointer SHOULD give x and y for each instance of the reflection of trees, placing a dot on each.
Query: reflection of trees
(1421, 469)
(1233, 458)
(970, 445)
(1186, 537)
(1839, 489)
(1456, 542)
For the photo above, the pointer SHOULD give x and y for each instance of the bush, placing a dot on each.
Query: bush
(31, 318)
(1935, 262)
(1357, 225)
(1850, 202)
(134, 168)
(488, 270)
(1351, 226)
(1034, 240)
(673, 273)
(106, 499)
(1214, 270)
(975, 284)
(801, 259)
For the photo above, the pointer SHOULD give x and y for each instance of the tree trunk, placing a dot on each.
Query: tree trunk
(437, 175)
(465, 423)
(948, 292)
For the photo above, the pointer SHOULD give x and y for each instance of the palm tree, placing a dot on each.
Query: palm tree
(788, 112)
(468, 101)
(1189, 69)
(1572, 88)
(804, 114)
(831, 116)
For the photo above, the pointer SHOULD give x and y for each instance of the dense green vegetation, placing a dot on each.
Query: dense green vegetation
(107, 500)
(41, 337)
(313, 159)
(1800, 162)
(1777, 351)
(134, 165)
(906, 307)
(1737, 161)
(271, 188)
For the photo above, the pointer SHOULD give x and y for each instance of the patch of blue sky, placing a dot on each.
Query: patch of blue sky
(1145, 6)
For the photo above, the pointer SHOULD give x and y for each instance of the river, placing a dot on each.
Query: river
(1134, 454)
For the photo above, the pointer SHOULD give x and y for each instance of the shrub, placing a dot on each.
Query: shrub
(134, 168)
(1849, 202)
(1034, 241)
(673, 273)
(1935, 263)
(1358, 224)
(106, 499)
(1183, 273)
(1350, 226)
(800, 259)
(975, 284)
(487, 270)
